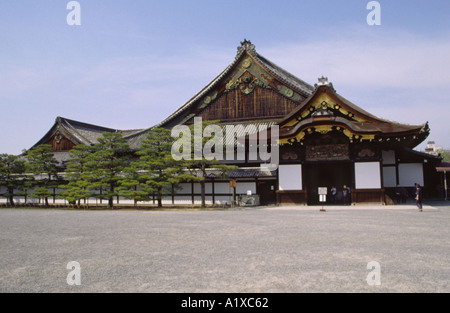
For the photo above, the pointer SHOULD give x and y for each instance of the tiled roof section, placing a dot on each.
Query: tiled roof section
(443, 167)
(243, 172)
(247, 129)
(194, 99)
(360, 127)
(373, 123)
(275, 70)
(84, 133)
(252, 172)
(129, 132)
(285, 76)
(88, 134)
(412, 135)
(245, 48)
(421, 154)
(135, 140)
(355, 107)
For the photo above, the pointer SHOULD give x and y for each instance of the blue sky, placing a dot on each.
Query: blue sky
(130, 64)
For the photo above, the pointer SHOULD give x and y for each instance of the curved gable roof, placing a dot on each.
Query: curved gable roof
(338, 111)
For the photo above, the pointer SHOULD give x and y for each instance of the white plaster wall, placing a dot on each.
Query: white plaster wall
(410, 173)
(290, 177)
(242, 187)
(367, 175)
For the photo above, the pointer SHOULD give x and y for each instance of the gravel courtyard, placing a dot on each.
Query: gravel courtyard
(275, 249)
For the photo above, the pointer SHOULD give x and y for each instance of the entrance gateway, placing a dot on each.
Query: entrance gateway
(329, 141)
(327, 164)
(320, 175)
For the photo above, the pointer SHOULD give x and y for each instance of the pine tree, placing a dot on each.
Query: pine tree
(77, 187)
(130, 184)
(203, 160)
(155, 172)
(44, 166)
(445, 155)
(104, 167)
(12, 169)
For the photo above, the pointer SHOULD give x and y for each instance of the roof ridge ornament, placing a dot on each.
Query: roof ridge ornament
(323, 81)
(246, 45)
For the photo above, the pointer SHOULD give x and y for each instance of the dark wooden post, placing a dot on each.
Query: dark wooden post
(192, 193)
(173, 195)
(213, 192)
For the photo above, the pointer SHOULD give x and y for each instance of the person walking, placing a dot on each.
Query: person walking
(419, 197)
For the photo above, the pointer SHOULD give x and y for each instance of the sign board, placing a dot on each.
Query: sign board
(323, 191)
(327, 152)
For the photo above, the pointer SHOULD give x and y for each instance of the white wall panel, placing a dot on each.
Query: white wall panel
(410, 173)
(222, 188)
(183, 200)
(198, 200)
(290, 177)
(367, 175)
(185, 188)
(242, 187)
(198, 189)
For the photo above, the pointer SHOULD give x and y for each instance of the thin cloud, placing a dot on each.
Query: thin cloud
(397, 61)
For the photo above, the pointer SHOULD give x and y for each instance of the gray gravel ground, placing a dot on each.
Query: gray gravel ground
(272, 249)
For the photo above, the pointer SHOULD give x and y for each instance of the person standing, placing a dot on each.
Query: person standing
(333, 193)
(346, 195)
(419, 197)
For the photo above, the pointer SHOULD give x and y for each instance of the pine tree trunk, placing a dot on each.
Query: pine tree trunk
(159, 198)
(11, 200)
(11, 197)
(203, 191)
(111, 199)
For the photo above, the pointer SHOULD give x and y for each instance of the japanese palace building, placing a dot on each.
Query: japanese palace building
(324, 139)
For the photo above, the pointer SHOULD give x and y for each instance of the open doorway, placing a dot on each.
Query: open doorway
(266, 190)
(327, 175)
